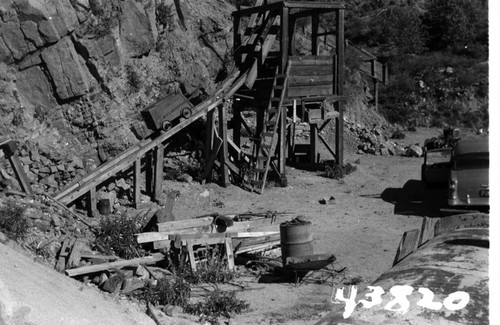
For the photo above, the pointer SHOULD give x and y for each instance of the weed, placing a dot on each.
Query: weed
(13, 220)
(165, 15)
(212, 269)
(116, 236)
(108, 15)
(176, 292)
(335, 171)
(218, 304)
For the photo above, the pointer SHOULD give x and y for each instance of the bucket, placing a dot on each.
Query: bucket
(296, 239)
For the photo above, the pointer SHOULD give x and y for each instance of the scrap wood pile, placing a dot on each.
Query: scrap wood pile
(190, 240)
(242, 233)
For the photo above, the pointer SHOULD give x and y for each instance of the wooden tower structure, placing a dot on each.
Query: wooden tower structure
(282, 86)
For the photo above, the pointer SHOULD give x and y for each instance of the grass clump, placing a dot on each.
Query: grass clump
(335, 171)
(116, 236)
(13, 220)
(175, 292)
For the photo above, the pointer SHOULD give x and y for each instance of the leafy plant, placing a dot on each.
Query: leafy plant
(116, 235)
(218, 304)
(107, 15)
(13, 220)
(213, 269)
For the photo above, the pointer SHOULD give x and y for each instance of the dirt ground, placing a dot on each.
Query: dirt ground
(362, 226)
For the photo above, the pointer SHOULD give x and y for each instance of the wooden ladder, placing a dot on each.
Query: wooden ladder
(265, 146)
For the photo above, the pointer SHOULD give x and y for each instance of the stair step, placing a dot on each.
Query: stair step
(275, 99)
(260, 170)
(272, 110)
(280, 75)
(258, 183)
(278, 87)
(265, 146)
(267, 134)
(270, 123)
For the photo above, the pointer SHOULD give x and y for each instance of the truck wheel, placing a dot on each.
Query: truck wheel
(186, 112)
(166, 125)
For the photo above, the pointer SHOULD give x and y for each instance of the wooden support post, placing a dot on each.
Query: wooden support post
(313, 147)
(93, 202)
(158, 183)
(149, 174)
(375, 90)
(339, 125)
(228, 243)
(237, 125)
(192, 259)
(137, 182)
(223, 153)
(284, 46)
(314, 34)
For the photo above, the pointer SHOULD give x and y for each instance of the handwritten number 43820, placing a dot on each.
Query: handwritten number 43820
(400, 303)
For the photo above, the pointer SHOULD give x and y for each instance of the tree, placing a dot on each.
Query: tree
(454, 24)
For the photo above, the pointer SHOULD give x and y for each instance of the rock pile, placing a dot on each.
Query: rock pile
(375, 141)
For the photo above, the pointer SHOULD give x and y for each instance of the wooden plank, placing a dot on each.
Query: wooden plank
(313, 4)
(308, 60)
(313, 147)
(339, 85)
(245, 242)
(148, 260)
(325, 79)
(427, 230)
(229, 253)
(148, 237)
(182, 224)
(258, 248)
(311, 70)
(20, 174)
(306, 91)
(213, 155)
(137, 182)
(252, 224)
(192, 260)
(223, 152)
(159, 155)
(407, 245)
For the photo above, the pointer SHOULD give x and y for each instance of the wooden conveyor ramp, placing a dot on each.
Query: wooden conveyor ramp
(131, 158)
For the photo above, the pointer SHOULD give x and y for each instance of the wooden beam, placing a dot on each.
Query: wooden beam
(148, 237)
(137, 182)
(311, 70)
(236, 123)
(158, 184)
(257, 9)
(321, 60)
(20, 174)
(313, 147)
(313, 4)
(211, 159)
(187, 223)
(223, 152)
(148, 260)
(339, 122)
(229, 253)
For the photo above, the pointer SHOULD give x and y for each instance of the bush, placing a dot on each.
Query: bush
(213, 269)
(334, 171)
(13, 220)
(176, 292)
(116, 236)
(216, 305)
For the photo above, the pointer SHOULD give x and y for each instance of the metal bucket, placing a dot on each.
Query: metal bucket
(296, 240)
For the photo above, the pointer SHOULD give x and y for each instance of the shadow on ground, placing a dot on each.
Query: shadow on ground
(415, 199)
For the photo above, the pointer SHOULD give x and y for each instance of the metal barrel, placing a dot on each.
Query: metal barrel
(296, 240)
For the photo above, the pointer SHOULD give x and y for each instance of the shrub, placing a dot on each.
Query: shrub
(335, 171)
(116, 236)
(213, 269)
(176, 292)
(13, 220)
(216, 305)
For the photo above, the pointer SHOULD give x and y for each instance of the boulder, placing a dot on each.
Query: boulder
(136, 31)
(414, 151)
(67, 72)
(34, 86)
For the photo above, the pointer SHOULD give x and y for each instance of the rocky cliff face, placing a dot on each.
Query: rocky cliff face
(66, 64)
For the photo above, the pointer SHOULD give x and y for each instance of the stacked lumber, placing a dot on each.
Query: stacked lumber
(238, 233)
(109, 272)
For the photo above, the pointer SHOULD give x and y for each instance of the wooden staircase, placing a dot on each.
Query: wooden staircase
(265, 144)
